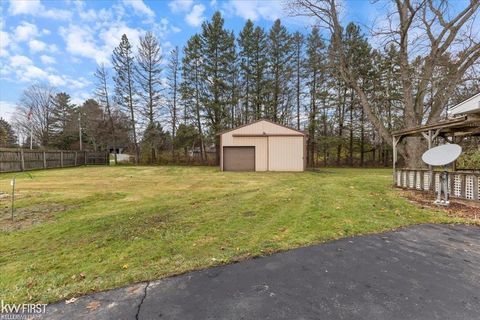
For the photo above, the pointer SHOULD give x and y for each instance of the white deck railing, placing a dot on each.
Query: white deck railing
(463, 185)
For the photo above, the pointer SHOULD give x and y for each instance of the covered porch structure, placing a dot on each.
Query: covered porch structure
(464, 121)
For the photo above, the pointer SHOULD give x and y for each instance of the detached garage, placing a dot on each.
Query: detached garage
(263, 146)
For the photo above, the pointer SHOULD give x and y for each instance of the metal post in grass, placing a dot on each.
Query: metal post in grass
(13, 183)
(13, 196)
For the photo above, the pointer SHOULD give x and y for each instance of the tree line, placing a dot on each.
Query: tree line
(345, 94)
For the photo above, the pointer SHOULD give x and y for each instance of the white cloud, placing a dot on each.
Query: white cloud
(24, 7)
(79, 97)
(139, 7)
(53, 48)
(37, 45)
(47, 59)
(25, 31)
(195, 17)
(26, 71)
(180, 5)
(98, 44)
(36, 8)
(7, 109)
(4, 43)
(80, 41)
(18, 61)
(256, 9)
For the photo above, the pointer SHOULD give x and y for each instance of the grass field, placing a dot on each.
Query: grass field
(87, 229)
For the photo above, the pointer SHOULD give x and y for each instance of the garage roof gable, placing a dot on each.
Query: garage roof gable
(277, 129)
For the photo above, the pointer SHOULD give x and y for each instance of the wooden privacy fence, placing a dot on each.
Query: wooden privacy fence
(463, 185)
(12, 160)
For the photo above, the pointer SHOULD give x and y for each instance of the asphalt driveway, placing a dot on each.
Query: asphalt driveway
(421, 272)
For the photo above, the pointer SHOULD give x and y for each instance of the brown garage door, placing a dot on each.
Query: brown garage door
(239, 158)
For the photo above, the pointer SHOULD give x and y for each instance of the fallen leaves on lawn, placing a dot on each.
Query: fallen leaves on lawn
(81, 276)
(125, 266)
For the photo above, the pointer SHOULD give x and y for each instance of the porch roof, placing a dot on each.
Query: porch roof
(466, 125)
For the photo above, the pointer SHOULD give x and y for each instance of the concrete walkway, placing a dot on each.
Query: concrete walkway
(421, 272)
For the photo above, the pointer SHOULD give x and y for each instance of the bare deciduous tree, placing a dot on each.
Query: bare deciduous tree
(103, 97)
(449, 48)
(34, 112)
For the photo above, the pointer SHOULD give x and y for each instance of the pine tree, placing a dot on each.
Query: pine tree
(8, 137)
(148, 74)
(280, 67)
(218, 57)
(191, 87)
(125, 89)
(246, 43)
(358, 59)
(235, 114)
(103, 97)
(314, 73)
(297, 44)
(173, 69)
(259, 69)
(64, 121)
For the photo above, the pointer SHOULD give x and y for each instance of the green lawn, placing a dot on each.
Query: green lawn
(94, 228)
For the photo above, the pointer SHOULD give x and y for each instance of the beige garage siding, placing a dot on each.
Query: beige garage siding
(260, 144)
(285, 153)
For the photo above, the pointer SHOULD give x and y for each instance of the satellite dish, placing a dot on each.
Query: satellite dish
(442, 155)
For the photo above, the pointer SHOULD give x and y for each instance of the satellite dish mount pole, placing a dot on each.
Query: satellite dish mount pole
(443, 188)
(442, 156)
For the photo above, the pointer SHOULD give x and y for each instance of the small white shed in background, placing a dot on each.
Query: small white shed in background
(263, 146)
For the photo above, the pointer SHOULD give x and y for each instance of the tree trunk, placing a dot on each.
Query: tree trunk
(414, 148)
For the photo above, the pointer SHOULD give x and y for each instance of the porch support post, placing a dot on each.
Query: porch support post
(395, 142)
(429, 137)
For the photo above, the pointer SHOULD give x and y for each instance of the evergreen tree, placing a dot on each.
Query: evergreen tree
(173, 69)
(297, 44)
(247, 44)
(64, 121)
(280, 55)
(125, 89)
(154, 139)
(148, 75)
(233, 80)
(93, 123)
(315, 74)
(259, 69)
(358, 59)
(7, 135)
(218, 57)
(191, 87)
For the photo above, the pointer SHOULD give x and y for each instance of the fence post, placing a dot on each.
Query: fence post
(44, 160)
(22, 160)
(61, 159)
(75, 163)
(85, 154)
